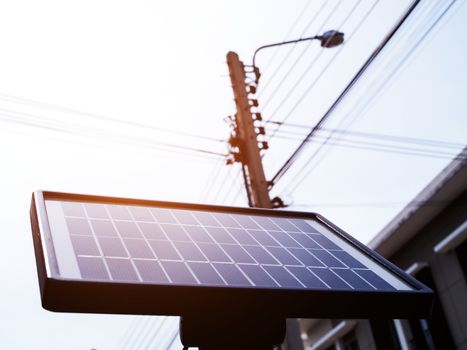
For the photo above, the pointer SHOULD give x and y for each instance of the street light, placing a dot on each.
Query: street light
(331, 38)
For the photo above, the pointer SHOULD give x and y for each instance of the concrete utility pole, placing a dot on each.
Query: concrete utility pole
(245, 141)
(246, 137)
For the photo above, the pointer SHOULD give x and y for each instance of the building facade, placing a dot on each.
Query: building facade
(429, 240)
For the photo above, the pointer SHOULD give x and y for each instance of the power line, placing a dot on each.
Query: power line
(460, 157)
(287, 74)
(387, 148)
(430, 203)
(318, 125)
(73, 129)
(301, 13)
(209, 183)
(377, 136)
(237, 178)
(130, 330)
(24, 101)
(292, 48)
(321, 73)
(220, 188)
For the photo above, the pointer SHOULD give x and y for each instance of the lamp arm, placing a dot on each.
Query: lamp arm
(283, 43)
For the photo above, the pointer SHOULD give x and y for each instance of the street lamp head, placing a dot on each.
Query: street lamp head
(331, 38)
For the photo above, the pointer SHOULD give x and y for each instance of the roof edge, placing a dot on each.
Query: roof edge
(435, 197)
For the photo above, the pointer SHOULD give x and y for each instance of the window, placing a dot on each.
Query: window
(461, 252)
(433, 333)
(385, 335)
(350, 342)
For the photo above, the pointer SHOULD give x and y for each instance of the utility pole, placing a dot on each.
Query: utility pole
(246, 149)
(245, 136)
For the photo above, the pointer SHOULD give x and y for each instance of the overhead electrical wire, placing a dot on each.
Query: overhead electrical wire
(321, 73)
(291, 49)
(43, 105)
(209, 183)
(130, 330)
(353, 136)
(459, 157)
(396, 150)
(78, 130)
(286, 166)
(371, 135)
(220, 188)
(265, 104)
(237, 178)
(297, 20)
(428, 203)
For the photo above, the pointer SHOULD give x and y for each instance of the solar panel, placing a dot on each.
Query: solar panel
(115, 245)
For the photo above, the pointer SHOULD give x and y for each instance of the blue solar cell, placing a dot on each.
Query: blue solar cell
(206, 273)
(246, 222)
(324, 242)
(375, 280)
(263, 238)
(175, 232)
(285, 240)
(163, 215)
(226, 220)
(121, 270)
(85, 245)
(327, 258)
(127, 229)
(178, 272)
(138, 248)
(304, 240)
(260, 254)
(164, 250)
(303, 225)
(353, 279)
(213, 252)
(78, 226)
(331, 279)
(189, 251)
(173, 246)
(96, 211)
(283, 277)
(242, 236)
(119, 212)
(73, 209)
(266, 223)
(112, 247)
(92, 268)
(347, 259)
(283, 256)
(141, 213)
(185, 217)
(258, 276)
(232, 275)
(152, 230)
(198, 234)
(205, 219)
(150, 271)
(305, 257)
(285, 224)
(237, 253)
(307, 278)
(103, 228)
(220, 235)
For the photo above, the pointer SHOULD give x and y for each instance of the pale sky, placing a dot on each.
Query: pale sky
(63, 63)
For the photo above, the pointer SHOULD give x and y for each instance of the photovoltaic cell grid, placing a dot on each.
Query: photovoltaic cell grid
(170, 246)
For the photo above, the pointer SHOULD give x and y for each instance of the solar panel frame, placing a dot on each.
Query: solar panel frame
(159, 298)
